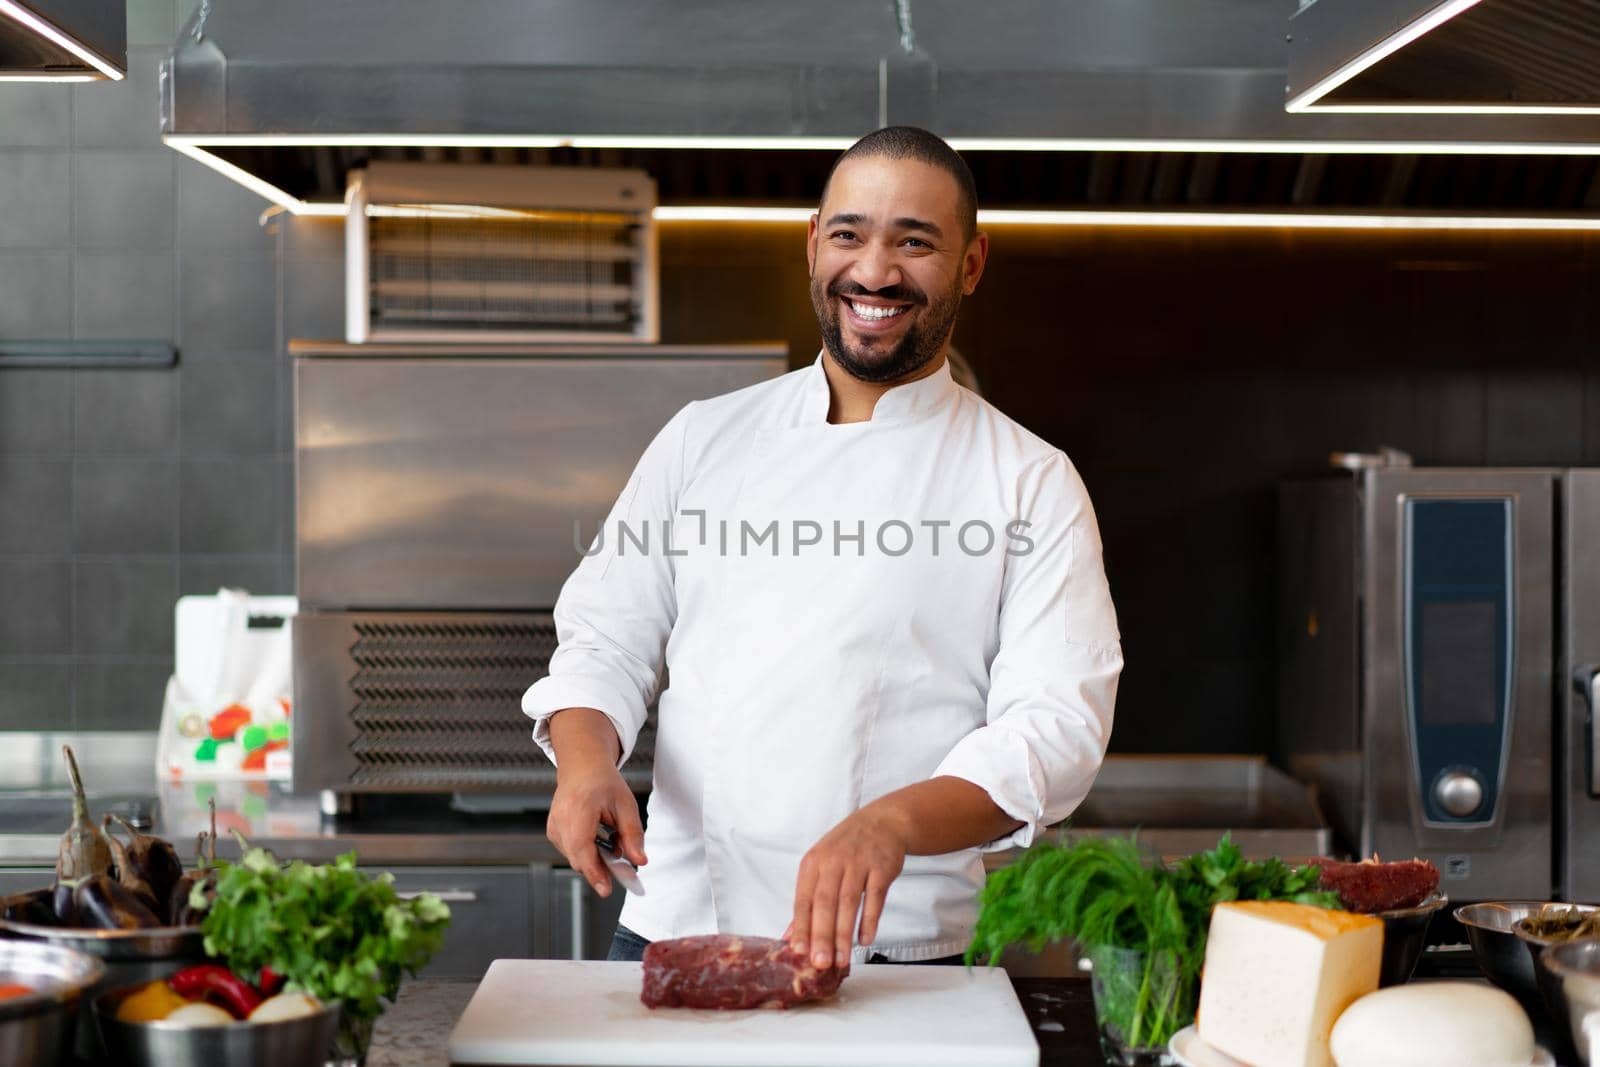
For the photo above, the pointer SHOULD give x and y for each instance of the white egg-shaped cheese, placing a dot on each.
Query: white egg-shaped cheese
(1464, 1024)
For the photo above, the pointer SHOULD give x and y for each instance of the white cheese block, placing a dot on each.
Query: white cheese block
(1464, 1024)
(1278, 974)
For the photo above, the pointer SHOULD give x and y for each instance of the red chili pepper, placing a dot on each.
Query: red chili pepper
(216, 983)
(269, 982)
(229, 721)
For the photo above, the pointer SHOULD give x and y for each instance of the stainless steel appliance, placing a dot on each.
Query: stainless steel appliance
(442, 498)
(1438, 633)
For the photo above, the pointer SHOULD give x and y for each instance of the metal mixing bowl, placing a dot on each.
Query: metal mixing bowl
(129, 956)
(1405, 934)
(36, 1028)
(303, 1042)
(1574, 970)
(1502, 957)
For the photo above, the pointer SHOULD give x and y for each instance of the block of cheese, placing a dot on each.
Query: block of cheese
(1277, 975)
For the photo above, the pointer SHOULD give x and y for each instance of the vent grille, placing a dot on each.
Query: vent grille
(437, 705)
(535, 272)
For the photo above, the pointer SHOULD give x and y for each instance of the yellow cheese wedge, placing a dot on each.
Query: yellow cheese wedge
(1278, 974)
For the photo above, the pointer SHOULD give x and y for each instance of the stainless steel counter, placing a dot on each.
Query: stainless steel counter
(1178, 805)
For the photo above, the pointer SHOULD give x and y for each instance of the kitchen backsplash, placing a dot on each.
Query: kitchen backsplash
(1183, 371)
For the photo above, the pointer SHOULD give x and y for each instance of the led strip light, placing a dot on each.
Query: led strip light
(196, 148)
(14, 10)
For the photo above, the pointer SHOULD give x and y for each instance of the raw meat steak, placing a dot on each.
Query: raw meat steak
(731, 972)
(1370, 887)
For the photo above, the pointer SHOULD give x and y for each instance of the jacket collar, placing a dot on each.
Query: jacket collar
(910, 400)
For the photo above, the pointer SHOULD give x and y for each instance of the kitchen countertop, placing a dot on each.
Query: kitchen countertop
(416, 1031)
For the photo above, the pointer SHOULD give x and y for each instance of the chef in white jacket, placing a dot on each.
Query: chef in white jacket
(881, 608)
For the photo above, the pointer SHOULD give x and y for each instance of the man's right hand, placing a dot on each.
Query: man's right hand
(590, 791)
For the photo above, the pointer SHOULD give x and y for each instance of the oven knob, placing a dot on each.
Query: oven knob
(1459, 793)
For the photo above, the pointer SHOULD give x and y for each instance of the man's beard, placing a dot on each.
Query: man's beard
(917, 346)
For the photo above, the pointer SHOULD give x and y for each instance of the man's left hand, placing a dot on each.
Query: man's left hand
(847, 873)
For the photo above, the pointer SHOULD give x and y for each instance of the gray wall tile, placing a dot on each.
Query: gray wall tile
(35, 696)
(121, 696)
(124, 505)
(229, 506)
(125, 114)
(35, 507)
(38, 606)
(35, 297)
(214, 212)
(123, 199)
(122, 295)
(35, 210)
(1534, 419)
(313, 299)
(125, 412)
(35, 412)
(37, 116)
(123, 606)
(229, 404)
(204, 575)
(311, 237)
(152, 22)
(226, 302)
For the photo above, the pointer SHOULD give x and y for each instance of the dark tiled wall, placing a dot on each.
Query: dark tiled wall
(121, 490)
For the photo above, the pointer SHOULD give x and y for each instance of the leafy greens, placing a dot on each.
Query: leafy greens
(1103, 892)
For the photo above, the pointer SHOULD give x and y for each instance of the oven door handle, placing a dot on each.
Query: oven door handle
(1587, 681)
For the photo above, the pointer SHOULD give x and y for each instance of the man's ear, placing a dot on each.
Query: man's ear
(811, 243)
(973, 262)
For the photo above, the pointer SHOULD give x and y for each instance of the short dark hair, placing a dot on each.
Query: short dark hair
(911, 142)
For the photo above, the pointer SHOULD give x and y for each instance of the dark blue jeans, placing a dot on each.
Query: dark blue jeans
(629, 946)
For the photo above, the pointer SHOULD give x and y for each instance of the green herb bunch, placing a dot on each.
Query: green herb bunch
(1105, 892)
(330, 930)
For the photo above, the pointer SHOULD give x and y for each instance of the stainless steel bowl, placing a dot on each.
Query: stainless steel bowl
(303, 1042)
(1574, 970)
(129, 956)
(1405, 935)
(1502, 957)
(1550, 987)
(36, 1028)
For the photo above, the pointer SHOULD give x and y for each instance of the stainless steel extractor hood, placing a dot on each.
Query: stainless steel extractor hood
(1099, 102)
(63, 40)
(1446, 56)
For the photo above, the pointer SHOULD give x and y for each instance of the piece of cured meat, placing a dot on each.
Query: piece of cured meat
(1370, 887)
(727, 971)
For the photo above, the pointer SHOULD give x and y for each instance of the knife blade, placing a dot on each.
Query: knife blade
(620, 867)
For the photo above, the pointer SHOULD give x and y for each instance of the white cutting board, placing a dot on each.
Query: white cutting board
(588, 1014)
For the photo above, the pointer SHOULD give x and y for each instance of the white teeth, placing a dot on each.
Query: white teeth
(868, 312)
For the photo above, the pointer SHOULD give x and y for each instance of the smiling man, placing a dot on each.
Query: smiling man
(881, 604)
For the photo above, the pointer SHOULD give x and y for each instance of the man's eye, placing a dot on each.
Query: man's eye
(917, 242)
(843, 235)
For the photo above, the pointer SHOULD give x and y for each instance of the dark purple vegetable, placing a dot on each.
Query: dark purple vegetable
(61, 902)
(126, 872)
(84, 849)
(103, 903)
(34, 906)
(179, 911)
(152, 859)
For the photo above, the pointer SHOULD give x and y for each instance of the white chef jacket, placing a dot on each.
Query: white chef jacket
(834, 628)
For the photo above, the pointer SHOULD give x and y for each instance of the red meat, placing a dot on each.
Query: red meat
(1370, 887)
(730, 972)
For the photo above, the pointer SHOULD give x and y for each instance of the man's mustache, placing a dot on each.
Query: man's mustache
(888, 292)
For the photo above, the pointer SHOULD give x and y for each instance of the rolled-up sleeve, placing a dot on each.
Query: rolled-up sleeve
(1053, 680)
(616, 611)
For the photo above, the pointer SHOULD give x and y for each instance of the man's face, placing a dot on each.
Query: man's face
(889, 265)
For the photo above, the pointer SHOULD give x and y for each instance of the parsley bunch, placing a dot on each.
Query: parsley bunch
(1105, 892)
(330, 930)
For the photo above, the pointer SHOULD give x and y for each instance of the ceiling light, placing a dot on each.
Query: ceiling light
(61, 38)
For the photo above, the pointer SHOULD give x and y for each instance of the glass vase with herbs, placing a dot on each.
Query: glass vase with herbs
(1141, 922)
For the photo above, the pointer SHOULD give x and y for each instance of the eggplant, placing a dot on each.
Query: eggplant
(180, 912)
(61, 902)
(34, 906)
(104, 903)
(127, 873)
(151, 858)
(84, 850)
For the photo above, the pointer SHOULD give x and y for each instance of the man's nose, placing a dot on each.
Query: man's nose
(876, 268)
